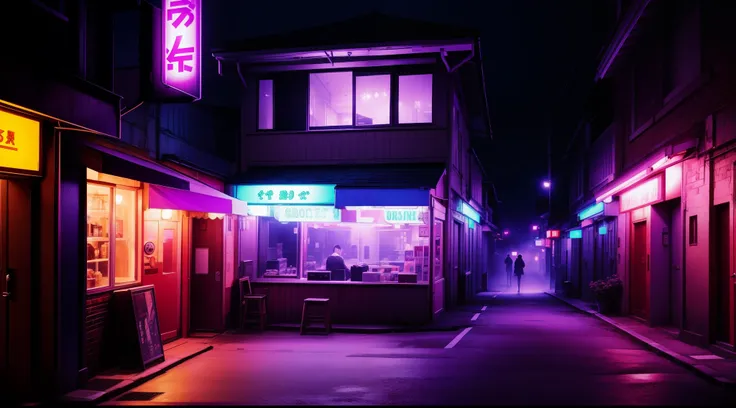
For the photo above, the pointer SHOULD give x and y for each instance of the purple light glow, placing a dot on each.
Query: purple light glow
(182, 46)
(506, 232)
(373, 100)
(534, 227)
(265, 104)
(415, 98)
(546, 184)
(331, 99)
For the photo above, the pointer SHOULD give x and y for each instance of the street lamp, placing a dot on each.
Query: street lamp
(546, 184)
(535, 227)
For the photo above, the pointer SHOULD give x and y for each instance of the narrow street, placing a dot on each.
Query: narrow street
(522, 349)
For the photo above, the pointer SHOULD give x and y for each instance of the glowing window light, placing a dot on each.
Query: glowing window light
(514, 253)
(539, 242)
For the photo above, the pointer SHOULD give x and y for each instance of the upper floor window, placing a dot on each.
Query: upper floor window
(373, 100)
(415, 98)
(331, 99)
(265, 104)
(344, 99)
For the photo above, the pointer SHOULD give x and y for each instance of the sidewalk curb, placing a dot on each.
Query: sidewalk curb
(115, 392)
(359, 330)
(700, 369)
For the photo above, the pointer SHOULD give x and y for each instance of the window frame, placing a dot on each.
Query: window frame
(273, 105)
(394, 72)
(112, 252)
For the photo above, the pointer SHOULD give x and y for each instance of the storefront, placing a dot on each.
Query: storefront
(143, 223)
(382, 235)
(650, 229)
(597, 245)
(21, 171)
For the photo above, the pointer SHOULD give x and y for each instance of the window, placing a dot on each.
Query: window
(681, 45)
(387, 248)
(112, 233)
(373, 100)
(415, 98)
(265, 104)
(278, 243)
(439, 226)
(331, 99)
(693, 228)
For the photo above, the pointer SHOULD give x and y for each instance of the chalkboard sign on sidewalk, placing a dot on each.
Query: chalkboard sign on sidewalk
(139, 335)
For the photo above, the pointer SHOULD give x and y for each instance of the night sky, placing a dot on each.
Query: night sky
(538, 58)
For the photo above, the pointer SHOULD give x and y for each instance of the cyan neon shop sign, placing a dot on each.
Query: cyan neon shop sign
(286, 194)
(576, 234)
(469, 211)
(403, 216)
(591, 211)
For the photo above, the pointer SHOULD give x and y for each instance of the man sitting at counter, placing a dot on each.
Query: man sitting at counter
(335, 261)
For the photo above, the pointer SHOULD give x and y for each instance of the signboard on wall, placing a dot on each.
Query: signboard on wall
(304, 213)
(289, 194)
(646, 193)
(403, 216)
(20, 144)
(182, 46)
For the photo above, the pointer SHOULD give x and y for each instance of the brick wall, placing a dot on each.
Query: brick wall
(98, 308)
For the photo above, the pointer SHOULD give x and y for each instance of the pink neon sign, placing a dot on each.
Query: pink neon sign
(642, 195)
(182, 34)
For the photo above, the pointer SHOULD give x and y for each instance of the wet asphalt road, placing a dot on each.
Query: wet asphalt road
(524, 349)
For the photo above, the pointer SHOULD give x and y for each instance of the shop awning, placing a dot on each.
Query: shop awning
(116, 163)
(357, 185)
(168, 189)
(200, 197)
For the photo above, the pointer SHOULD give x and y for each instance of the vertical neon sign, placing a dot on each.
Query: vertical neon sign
(182, 34)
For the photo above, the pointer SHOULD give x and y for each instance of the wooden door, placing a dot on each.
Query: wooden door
(639, 281)
(724, 281)
(206, 283)
(15, 285)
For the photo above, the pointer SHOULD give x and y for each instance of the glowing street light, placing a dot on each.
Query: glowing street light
(546, 184)
(506, 232)
(535, 227)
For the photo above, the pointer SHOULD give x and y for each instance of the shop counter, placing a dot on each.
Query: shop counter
(351, 303)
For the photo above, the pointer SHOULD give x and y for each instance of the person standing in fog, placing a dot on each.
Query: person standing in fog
(518, 271)
(509, 268)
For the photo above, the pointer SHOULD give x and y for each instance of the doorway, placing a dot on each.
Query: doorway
(457, 269)
(165, 273)
(722, 276)
(639, 280)
(675, 244)
(15, 285)
(206, 281)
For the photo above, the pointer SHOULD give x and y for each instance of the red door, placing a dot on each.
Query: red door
(206, 283)
(15, 285)
(639, 280)
(724, 291)
(166, 275)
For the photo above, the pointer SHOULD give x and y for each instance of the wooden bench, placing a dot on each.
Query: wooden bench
(316, 310)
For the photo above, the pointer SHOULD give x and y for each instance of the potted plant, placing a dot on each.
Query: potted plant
(608, 293)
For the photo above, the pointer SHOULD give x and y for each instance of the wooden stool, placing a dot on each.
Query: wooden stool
(257, 314)
(310, 315)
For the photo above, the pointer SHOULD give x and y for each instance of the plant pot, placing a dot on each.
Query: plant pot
(608, 304)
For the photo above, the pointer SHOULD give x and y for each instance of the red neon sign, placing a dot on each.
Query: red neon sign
(553, 233)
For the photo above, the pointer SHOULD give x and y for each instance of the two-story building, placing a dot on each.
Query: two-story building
(659, 160)
(359, 134)
(102, 182)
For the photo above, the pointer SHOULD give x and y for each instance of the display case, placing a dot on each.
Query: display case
(98, 235)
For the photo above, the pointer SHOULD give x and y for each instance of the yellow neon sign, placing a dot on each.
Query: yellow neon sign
(20, 143)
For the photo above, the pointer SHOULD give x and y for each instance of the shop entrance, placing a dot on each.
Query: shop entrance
(639, 280)
(206, 280)
(15, 285)
(164, 271)
(459, 274)
(724, 305)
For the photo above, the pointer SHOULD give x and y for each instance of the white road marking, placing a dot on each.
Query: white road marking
(483, 309)
(457, 338)
(475, 317)
(707, 357)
